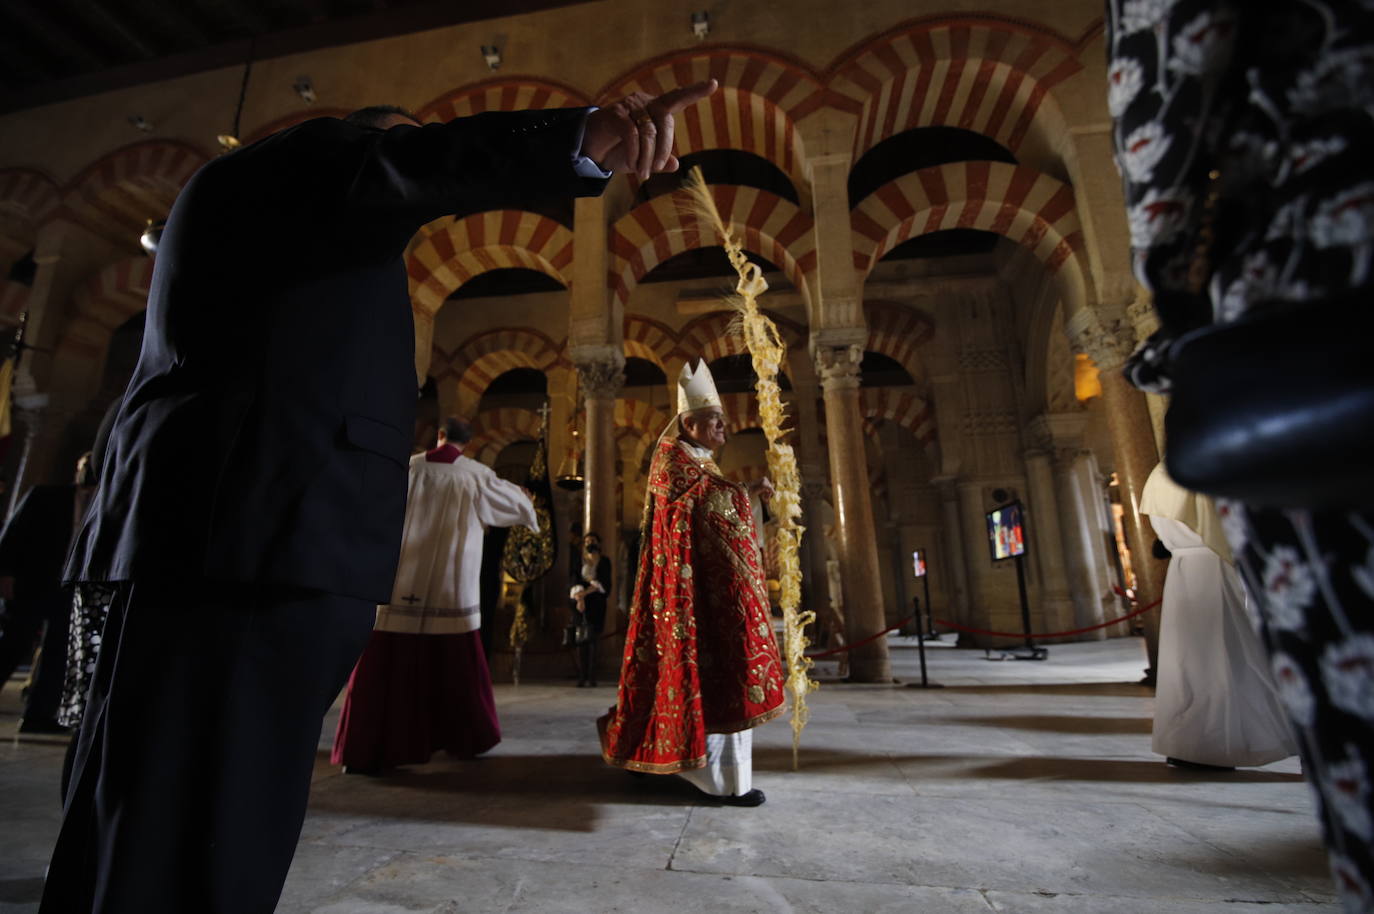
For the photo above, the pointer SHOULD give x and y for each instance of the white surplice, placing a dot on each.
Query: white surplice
(448, 508)
(1215, 699)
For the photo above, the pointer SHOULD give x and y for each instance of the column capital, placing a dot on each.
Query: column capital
(601, 378)
(947, 486)
(838, 366)
(1142, 316)
(1106, 336)
(1049, 431)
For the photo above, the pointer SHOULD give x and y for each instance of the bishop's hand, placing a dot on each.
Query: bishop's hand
(636, 133)
(763, 488)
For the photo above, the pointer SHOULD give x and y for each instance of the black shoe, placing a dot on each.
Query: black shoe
(754, 797)
(592, 684)
(365, 772)
(1195, 766)
(581, 683)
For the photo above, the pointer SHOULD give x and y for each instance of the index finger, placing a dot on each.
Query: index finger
(678, 99)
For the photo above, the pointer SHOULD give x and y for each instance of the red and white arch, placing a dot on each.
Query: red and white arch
(898, 331)
(452, 253)
(485, 357)
(100, 305)
(989, 75)
(903, 406)
(655, 231)
(1015, 201)
(27, 198)
(501, 94)
(496, 429)
(119, 193)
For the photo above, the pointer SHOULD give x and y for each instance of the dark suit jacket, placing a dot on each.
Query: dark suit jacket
(265, 433)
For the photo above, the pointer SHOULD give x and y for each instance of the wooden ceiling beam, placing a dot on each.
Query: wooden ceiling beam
(43, 29)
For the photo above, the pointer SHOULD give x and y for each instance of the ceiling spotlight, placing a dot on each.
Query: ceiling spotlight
(701, 24)
(228, 142)
(140, 123)
(152, 235)
(305, 89)
(492, 55)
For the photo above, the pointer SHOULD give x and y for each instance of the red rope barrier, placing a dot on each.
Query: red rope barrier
(850, 647)
(1075, 631)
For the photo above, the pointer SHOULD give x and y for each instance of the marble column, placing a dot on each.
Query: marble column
(1046, 533)
(600, 382)
(839, 371)
(1077, 527)
(955, 584)
(977, 560)
(1108, 342)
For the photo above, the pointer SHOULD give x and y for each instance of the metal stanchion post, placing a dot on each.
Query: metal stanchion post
(921, 649)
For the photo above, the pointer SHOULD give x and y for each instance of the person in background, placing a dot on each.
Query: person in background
(701, 666)
(33, 547)
(591, 586)
(422, 684)
(1215, 701)
(1242, 133)
(251, 504)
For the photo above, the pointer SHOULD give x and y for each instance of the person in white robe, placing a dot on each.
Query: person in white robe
(1216, 705)
(422, 684)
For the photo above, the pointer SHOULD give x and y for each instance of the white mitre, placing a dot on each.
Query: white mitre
(696, 389)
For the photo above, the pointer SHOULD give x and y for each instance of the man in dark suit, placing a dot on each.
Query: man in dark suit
(252, 500)
(33, 545)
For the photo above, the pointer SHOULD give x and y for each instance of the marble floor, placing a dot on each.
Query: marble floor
(1017, 787)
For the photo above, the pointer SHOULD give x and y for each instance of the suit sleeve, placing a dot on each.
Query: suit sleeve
(496, 158)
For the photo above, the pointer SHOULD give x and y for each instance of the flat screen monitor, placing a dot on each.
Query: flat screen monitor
(918, 562)
(1006, 534)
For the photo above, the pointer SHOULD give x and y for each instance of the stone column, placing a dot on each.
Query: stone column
(839, 371)
(600, 382)
(977, 560)
(1076, 526)
(955, 566)
(1108, 342)
(1046, 533)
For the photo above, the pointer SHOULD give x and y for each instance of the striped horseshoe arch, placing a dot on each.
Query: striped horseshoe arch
(500, 94)
(27, 199)
(485, 357)
(909, 410)
(496, 429)
(1015, 201)
(992, 76)
(100, 305)
(755, 110)
(897, 331)
(116, 195)
(448, 254)
(655, 231)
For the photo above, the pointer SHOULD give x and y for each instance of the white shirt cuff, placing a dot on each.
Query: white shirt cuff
(583, 166)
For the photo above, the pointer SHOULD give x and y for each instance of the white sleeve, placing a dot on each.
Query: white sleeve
(504, 504)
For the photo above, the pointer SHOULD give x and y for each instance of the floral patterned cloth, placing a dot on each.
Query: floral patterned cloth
(90, 605)
(700, 655)
(1266, 108)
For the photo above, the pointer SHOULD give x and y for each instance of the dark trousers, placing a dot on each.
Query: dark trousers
(595, 617)
(50, 667)
(194, 759)
(19, 626)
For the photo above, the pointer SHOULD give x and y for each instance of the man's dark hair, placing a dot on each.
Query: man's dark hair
(376, 115)
(456, 431)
